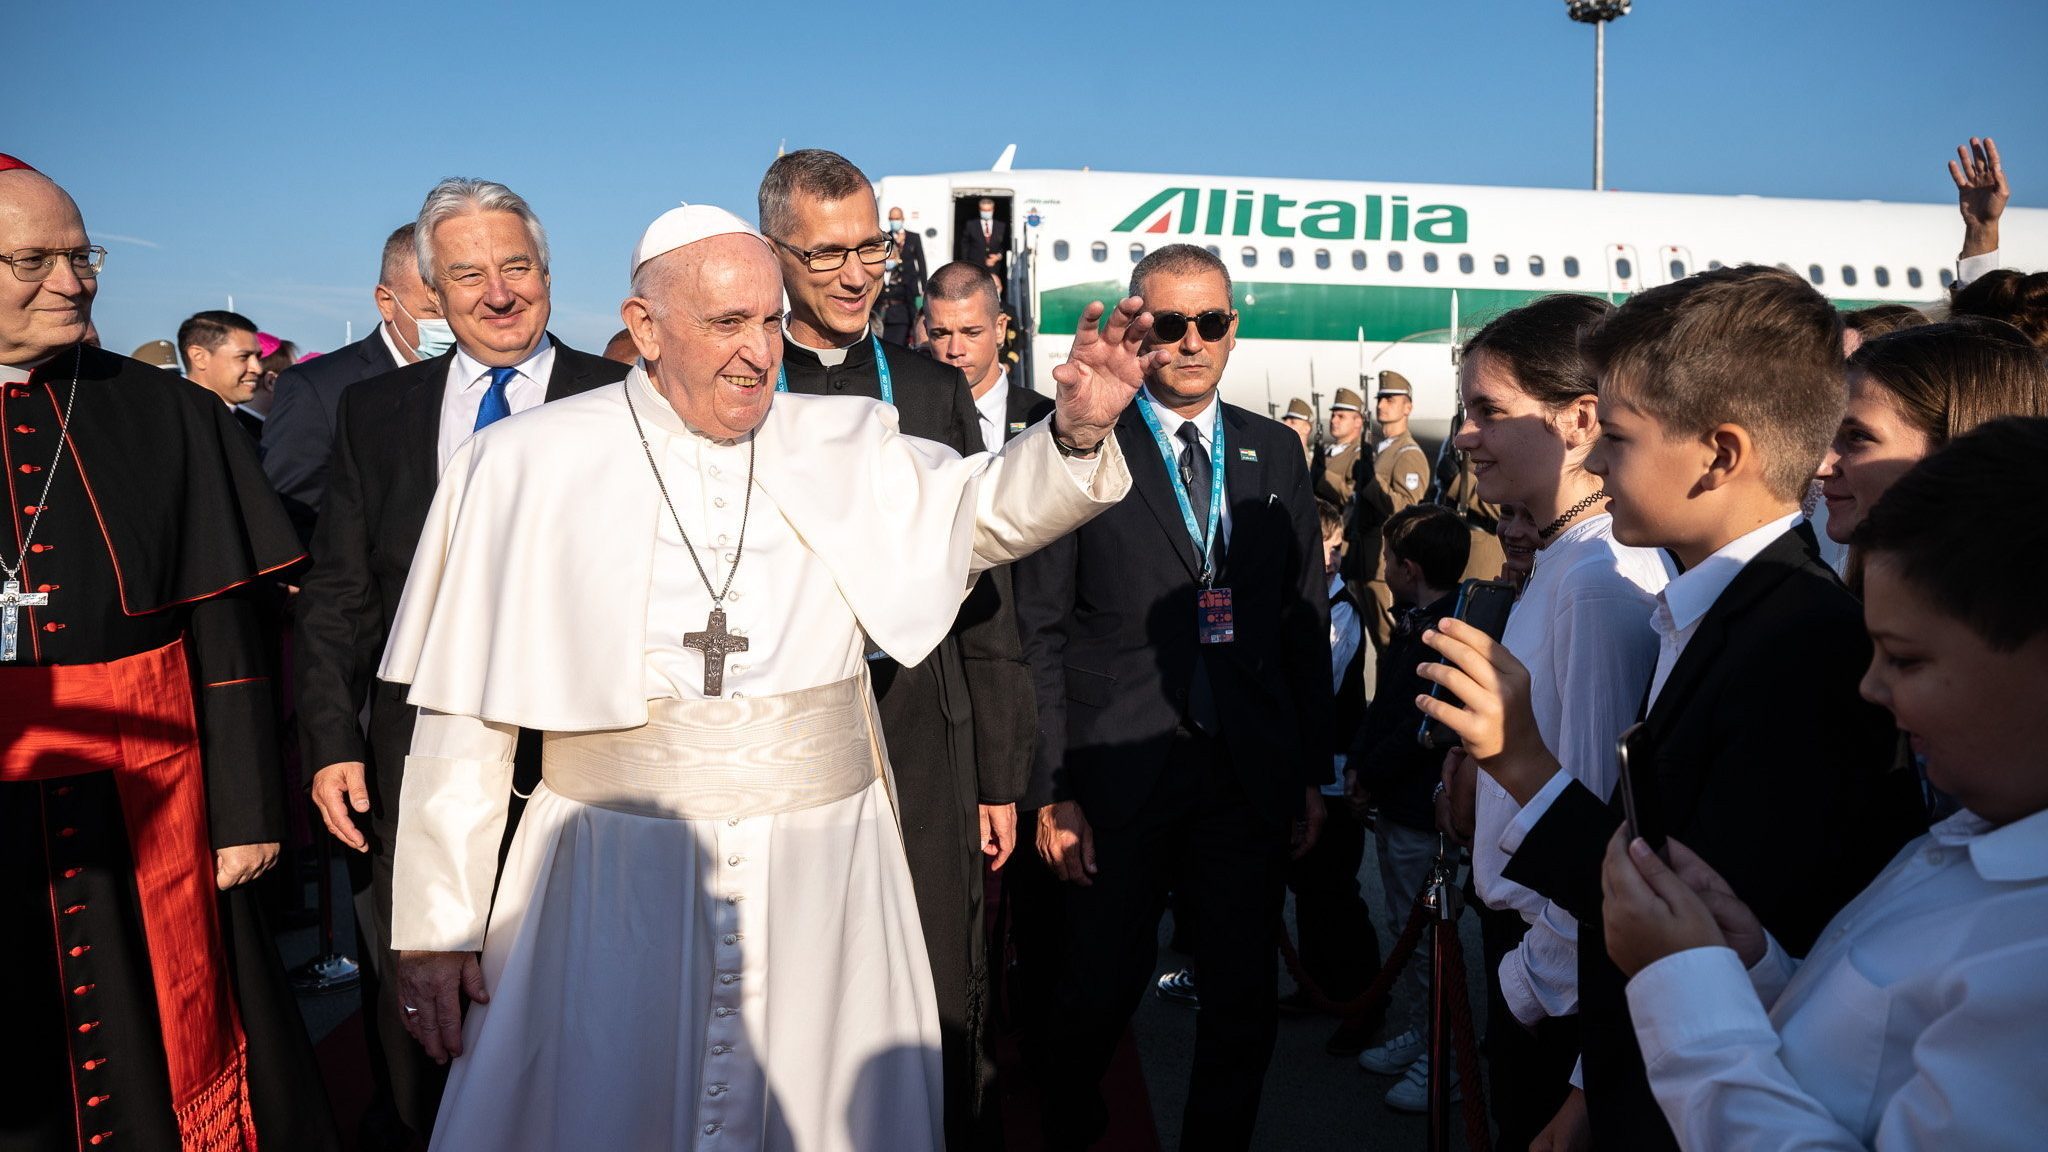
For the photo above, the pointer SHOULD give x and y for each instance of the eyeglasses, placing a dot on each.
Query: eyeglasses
(1169, 327)
(33, 264)
(833, 259)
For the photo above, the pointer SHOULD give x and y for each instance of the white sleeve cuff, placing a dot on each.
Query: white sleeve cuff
(1970, 268)
(1772, 972)
(1518, 828)
(1578, 1076)
(1693, 996)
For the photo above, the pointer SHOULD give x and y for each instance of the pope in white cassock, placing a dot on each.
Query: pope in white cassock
(704, 935)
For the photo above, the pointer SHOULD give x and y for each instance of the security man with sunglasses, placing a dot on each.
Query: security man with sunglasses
(959, 724)
(1180, 648)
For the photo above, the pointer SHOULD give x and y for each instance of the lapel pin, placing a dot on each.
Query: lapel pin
(1249, 455)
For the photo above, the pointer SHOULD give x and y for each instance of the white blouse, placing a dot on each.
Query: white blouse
(1582, 628)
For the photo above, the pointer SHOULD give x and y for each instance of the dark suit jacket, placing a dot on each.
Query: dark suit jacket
(1770, 766)
(1109, 623)
(383, 472)
(298, 436)
(974, 249)
(1025, 408)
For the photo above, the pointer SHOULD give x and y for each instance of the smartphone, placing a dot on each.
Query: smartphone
(1484, 604)
(1641, 803)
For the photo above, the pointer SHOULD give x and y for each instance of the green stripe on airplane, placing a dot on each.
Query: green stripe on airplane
(1279, 311)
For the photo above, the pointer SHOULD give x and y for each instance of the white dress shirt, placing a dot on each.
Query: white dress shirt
(1680, 607)
(1205, 422)
(469, 378)
(994, 409)
(1969, 268)
(1582, 628)
(400, 355)
(1915, 1022)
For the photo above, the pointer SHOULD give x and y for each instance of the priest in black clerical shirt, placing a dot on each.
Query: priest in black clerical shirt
(142, 1001)
(959, 725)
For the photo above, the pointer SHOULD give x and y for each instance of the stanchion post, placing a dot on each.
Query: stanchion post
(1443, 952)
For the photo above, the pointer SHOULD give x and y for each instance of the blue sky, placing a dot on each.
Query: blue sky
(264, 149)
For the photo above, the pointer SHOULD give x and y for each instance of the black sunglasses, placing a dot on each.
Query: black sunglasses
(1170, 327)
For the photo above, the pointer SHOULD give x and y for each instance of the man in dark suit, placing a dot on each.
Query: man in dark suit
(223, 356)
(484, 254)
(1179, 647)
(958, 724)
(298, 436)
(984, 240)
(903, 280)
(964, 320)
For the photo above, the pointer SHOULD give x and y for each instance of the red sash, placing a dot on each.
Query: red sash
(134, 717)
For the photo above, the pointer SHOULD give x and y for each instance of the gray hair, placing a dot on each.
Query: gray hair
(461, 196)
(1183, 259)
(811, 171)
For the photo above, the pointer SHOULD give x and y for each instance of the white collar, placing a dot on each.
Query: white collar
(2017, 852)
(654, 408)
(1170, 421)
(1689, 594)
(391, 345)
(471, 371)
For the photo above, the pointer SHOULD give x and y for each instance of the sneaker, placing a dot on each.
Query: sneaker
(1411, 1092)
(1396, 1055)
(1178, 987)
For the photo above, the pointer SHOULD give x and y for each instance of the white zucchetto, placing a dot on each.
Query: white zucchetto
(686, 225)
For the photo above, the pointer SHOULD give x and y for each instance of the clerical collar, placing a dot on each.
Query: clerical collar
(654, 408)
(19, 373)
(829, 357)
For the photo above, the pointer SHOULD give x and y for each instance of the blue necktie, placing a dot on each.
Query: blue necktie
(496, 405)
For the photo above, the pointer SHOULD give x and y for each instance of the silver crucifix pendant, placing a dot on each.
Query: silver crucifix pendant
(12, 601)
(714, 641)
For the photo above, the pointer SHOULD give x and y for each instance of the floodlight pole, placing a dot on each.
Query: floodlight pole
(1598, 13)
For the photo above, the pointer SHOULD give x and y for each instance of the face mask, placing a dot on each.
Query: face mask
(895, 225)
(890, 265)
(436, 336)
(988, 215)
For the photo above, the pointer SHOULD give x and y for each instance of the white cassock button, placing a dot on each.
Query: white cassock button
(711, 1129)
(723, 539)
(713, 469)
(731, 559)
(718, 501)
(733, 823)
(735, 861)
(735, 897)
(739, 695)
(728, 978)
(734, 595)
(725, 1011)
(715, 1090)
(731, 938)
(739, 668)
(720, 1049)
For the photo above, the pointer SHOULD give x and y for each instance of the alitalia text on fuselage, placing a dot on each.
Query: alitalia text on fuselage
(1189, 211)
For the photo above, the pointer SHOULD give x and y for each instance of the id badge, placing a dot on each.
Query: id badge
(1215, 622)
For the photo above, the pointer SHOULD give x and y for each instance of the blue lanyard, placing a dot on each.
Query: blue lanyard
(1204, 541)
(881, 369)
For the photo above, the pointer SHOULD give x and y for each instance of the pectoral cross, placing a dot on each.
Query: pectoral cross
(714, 641)
(13, 600)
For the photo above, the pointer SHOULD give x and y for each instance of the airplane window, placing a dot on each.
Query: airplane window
(1394, 261)
(1814, 273)
(1137, 253)
(1098, 251)
(1535, 265)
(1059, 249)
(1464, 262)
(1429, 261)
(1913, 277)
(1624, 269)
(1678, 269)
(1715, 265)
(1882, 275)
(1571, 266)
(931, 233)
(1948, 278)
(1782, 267)
(1500, 265)
(1287, 257)
(1358, 259)
(1322, 257)
(1214, 251)
(1250, 256)
(1849, 275)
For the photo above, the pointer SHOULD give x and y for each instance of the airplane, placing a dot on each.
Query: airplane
(1338, 280)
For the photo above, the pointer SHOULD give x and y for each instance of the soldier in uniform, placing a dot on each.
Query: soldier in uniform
(1399, 465)
(1303, 421)
(1399, 477)
(1334, 470)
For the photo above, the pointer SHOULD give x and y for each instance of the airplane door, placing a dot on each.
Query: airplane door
(1624, 271)
(1677, 260)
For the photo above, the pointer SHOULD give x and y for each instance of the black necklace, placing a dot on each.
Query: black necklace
(714, 641)
(1571, 514)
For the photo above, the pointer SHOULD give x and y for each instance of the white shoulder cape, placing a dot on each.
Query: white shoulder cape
(527, 599)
